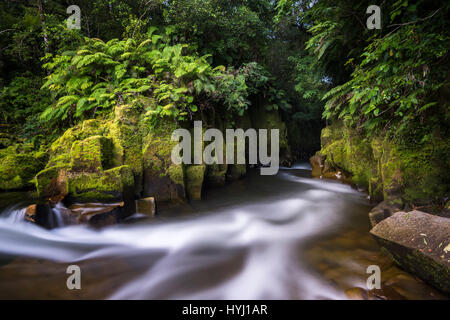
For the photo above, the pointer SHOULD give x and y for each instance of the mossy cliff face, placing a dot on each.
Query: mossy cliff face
(163, 179)
(263, 119)
(19, 165)
(103, 160)
(386, 168)
(91, 161)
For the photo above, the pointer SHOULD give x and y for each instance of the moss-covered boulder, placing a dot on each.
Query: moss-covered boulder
(97, 160)
(419, 243)
(195, 176)
(163, 179)
(19, 165)
(116, 184)
(91, 155)
(52, 182)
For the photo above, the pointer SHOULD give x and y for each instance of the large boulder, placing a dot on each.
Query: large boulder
(93, 154)
(115, 184)
(419, 243)
(97, 160)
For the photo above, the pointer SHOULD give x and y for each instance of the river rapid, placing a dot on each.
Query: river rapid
(265, 237)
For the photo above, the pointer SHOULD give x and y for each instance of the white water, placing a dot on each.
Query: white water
(248, 246)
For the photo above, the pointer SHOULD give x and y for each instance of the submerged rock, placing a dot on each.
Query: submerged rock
(417, 242)
(146, 206)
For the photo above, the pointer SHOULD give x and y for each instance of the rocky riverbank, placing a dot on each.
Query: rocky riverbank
(402, 181)
(122, 160)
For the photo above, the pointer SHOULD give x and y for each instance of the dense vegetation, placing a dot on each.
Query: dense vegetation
(184, 59)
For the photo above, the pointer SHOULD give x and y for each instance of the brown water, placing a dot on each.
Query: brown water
(281, 237)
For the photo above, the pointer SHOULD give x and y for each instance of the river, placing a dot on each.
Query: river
(264, 237)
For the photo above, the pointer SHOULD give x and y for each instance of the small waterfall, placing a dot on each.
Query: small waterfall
(58, 214)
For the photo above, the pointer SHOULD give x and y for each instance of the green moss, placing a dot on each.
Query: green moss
(263, 119)
(50, 183)
(176, 174)
(385, 167)
(216, 175)
(105, 186)
(19, 164)
(194, 181)
(127, 138)
(92, 154)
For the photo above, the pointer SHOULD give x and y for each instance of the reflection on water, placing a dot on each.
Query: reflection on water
(282, 237)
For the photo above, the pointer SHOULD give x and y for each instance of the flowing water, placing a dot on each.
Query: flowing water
(264, 237)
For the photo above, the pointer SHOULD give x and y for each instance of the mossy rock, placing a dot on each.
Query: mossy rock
(263, 119)
(162, 179)
(110, 185)
(236, 171)
(19, 165)
(127, 138)
(91, 155)
(195, 176)
(216, 175)
(52, 182)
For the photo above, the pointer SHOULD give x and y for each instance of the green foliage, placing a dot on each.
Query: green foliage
(98, 76)
(234, 32)
(20, 104)
(397, 81)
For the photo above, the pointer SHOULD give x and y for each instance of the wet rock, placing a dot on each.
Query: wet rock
(356, 294)
(97, 215)
(317, 165)
(384, 210)
(416, 241)
(146, 206)
(42, 215)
